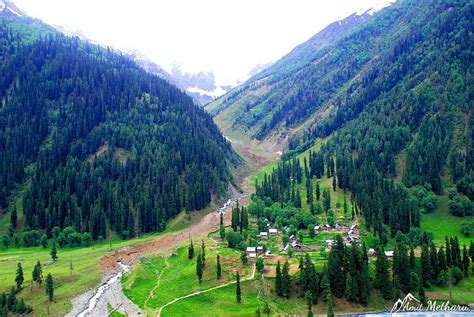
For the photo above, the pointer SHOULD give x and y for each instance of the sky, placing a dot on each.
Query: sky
(227, 37)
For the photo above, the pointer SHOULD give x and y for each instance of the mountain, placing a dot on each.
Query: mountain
(200, 86)
(391, 99)
(251, 105)
(9, 9)
(94, 141)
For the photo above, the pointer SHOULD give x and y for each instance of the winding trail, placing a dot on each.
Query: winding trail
(150, 295)
(168, 242)
(251, 277)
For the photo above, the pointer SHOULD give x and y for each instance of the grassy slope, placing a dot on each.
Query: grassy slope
(177, 275)
(86, 271)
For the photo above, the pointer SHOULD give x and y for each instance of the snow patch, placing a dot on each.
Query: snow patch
(14, 12)
(219, 91)
(377, 7)
(2, 6)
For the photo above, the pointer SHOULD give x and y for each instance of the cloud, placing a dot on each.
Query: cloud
(226, 37)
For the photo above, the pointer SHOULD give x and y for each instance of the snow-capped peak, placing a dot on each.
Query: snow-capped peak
(377, 7)
(8, 8)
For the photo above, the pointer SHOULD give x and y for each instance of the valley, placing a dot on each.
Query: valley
(338, 180)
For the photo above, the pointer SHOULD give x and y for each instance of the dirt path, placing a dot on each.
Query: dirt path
(150, 295)
(168, 242)
(251, 277)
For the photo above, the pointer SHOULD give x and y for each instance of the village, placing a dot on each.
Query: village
(350, 233)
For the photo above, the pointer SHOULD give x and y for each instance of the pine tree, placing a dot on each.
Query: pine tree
(422, 296)
(465, 261)
(449, 260)
(199, 268)
(334, 185)
(285, 280)
(218, 268)
(11, 300)
(297, 201)
(330, 304)
(345, 208)
(191, 250)
(54, 252)
(49, 287)
(19, 276)
(235, 221)
(222, 232)
(203, 254)
(325, 286)
(363, 278)
(351, 288)
(278, 281)
(44, 241)
(401, 267)
(309, 301)
(434, 262)
(426, 270)
(318, 191)
(309, 191)
(336, 274)
(244, 220)
(442, 266)
(37, 274)
(238, 292)
(14, 217)
(382, 276)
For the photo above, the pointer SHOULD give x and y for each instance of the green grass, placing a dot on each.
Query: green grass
(441, 223)
(178, 275)
(86, 271)
(462, 293)
(222, 302)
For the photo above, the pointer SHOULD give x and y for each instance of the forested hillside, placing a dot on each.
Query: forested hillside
(395, 100)
(95, 142)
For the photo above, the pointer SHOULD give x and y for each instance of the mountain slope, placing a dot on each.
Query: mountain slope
(102, 142)
(394, 99)
(250, 107)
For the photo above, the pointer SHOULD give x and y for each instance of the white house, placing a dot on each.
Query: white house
(251, 250)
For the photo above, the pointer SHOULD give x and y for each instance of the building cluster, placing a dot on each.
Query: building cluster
(254, 252)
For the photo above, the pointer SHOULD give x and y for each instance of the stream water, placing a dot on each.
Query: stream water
(101, 297)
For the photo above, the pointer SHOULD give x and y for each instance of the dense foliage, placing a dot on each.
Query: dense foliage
(103, 143)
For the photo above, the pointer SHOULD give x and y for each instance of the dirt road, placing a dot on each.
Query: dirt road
(210, 222)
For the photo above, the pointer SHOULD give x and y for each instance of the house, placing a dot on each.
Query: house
(292, 237)
(353, 227)
(285, 248)
(286, 228)
(269, 254)
(327, 227)
(250, 250)
(329, 244)
(263, 235)
(371, 252)
(252, 256)
(389, 254)
(259, 250)
(317, 228)
(273, 232)
(338, 226)
(296, 246)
